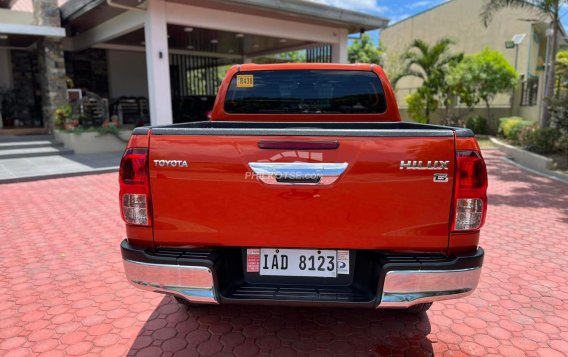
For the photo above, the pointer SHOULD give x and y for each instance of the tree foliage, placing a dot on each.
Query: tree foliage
(562, 67)
(559, 104)
(417, 106)
(482, 76)
(430, 64)
(364, 51)
(549, 10)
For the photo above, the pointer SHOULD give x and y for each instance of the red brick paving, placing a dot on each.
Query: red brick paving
(63, 291)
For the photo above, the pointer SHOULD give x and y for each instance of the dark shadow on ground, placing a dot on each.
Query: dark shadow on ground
(253, 330)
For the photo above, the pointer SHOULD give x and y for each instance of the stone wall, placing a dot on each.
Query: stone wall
(51, 62)
(46, 13)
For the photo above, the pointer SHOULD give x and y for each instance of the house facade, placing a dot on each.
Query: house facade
(460, 21)
(150, 61)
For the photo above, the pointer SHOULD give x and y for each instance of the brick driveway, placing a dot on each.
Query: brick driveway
(62, 288)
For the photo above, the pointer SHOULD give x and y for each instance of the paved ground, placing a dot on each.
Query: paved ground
(32, 168)
(62, 289)
(30, 157)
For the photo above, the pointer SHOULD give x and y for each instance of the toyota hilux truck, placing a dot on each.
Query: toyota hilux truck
(305, 188)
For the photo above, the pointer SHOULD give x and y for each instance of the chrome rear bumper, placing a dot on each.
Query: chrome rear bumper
(194, 283)
(405, 288)
(401, 281)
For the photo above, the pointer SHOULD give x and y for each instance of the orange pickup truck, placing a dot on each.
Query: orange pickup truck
(305, 188)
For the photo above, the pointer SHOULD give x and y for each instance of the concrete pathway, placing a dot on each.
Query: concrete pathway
(26, 158)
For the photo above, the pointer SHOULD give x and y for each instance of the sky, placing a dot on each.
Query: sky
(397, 10)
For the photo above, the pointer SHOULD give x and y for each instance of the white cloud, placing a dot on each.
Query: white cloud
(355, 5)
(423, 3)
(397, 18)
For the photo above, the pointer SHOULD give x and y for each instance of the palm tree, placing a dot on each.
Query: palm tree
(547, 8)
(429, 63)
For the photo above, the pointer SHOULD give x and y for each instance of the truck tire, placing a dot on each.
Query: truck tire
(418, 309)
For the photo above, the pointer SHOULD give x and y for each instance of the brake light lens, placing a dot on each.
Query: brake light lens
(135, 187)
(470, 206)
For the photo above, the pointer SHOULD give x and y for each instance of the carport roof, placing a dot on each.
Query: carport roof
(296, 10)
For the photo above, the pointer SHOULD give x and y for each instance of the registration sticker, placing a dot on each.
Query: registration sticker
(253, 260)
(342, 262)
(245, 81)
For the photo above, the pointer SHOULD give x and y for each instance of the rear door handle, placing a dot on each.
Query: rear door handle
(298, 173)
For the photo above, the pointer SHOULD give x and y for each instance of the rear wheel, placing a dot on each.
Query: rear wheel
(418, 309)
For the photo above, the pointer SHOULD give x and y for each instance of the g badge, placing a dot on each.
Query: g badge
(440, 177)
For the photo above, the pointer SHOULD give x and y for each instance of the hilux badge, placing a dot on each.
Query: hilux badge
(430, 165)
(170, 163)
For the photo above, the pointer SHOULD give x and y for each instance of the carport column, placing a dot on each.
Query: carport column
(158, 63)
(51, 62)
(339, 49)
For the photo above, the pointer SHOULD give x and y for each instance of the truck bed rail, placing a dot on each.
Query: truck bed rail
(383, 129)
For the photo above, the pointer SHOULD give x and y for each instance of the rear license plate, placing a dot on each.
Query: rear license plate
(298, 262)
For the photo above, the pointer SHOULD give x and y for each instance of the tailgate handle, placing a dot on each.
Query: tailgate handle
(297, 173)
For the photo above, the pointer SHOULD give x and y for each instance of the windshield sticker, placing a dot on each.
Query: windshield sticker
(245, 81)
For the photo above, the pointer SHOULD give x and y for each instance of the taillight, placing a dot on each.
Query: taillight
(470, 205)
(135, 187)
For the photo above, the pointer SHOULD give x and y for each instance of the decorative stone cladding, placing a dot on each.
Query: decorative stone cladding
(51, 61)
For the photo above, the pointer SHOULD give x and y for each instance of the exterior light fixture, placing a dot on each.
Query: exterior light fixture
(188, 29)
(255, 45)
(3, 37)
(518, 38)
(214, 41)
(514, 43)
(240, 35)
(190, 47)
(283, 40)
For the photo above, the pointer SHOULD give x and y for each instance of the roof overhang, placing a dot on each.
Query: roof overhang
(354, 21)
(6, 4)
(298, 10)
(17, 29)
(31, 30)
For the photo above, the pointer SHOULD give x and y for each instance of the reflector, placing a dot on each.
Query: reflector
(469, 214)
(134, 208)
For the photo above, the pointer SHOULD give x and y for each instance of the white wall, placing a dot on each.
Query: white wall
(127, 74)
(5, 69)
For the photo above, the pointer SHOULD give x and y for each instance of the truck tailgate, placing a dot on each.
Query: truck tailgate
(374, 204)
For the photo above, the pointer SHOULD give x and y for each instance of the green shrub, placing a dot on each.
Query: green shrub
(477, 124)
(525, 135)
(510, 128)
(559, 113)
(416, 107)
(541, 140)
(562, 145)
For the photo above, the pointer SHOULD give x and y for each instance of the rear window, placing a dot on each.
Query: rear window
(305, 91)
